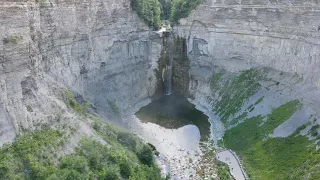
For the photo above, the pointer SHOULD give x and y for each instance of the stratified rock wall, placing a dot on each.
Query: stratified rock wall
(237, 35)
(98, 48)
(279, 38)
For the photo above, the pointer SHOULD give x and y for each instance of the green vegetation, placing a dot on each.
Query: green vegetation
(72, 102)
(314, 130)
(15, 39)
(31, 155)
(182, 9)
(259, 101)
(29, 108)
(34, 155)
(149, 11)
(234, 91)
(146, 155)
(165, 9)
(153, 11)
(237, 119)
(126, 144)
(255, 129)
(300, 128)
(224, 172)
(293, 157)
(114, 106)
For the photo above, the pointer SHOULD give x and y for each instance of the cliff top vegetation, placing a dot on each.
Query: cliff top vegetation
(153, 11)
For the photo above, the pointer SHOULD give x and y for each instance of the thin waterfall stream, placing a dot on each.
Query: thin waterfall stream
(169, 67)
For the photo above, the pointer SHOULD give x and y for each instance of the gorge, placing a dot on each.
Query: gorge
(75, 75)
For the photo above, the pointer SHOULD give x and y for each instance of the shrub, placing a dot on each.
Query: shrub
(29, 108)
(125, 168)
(13, 39)
(74, 175)
(114, 106)
(127, 140)
(137, 174)
(97, 125)
(145, 172)
(72, 102)
(33, 156)
(112, 173)
(314, 130)
(76, 162)
(146, 155)
(223, 172)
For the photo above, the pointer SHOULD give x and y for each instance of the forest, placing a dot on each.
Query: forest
(154, 11)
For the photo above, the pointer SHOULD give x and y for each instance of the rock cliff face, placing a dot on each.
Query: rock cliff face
(281, 37)
(237, 35)
(254, 70)
(101, 50)
(237, 60)
(97, 48)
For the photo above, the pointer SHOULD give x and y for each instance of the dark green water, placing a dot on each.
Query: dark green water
(173, 112)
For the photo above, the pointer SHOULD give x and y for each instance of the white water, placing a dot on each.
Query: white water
(169, 67)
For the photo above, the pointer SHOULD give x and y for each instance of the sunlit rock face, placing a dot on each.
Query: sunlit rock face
(280, 38)
(104, 52)
(237, 35)
(99, 49)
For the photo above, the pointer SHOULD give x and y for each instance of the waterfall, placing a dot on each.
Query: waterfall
(169, 67)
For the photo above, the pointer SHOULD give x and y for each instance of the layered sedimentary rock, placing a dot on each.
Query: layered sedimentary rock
(254, 70)
(97, 48)
(281, 38)
(236, 35)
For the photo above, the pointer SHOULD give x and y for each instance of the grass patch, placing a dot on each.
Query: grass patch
(15, 39)
(72, 102)
(234, 91)
(237, 119)
(293, 157)
(300, 128)
(255, 129)
(259, 101)
(114, 106)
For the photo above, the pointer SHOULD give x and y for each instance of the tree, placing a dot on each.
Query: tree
(149, 11)
(146, 155)
(182, 8)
